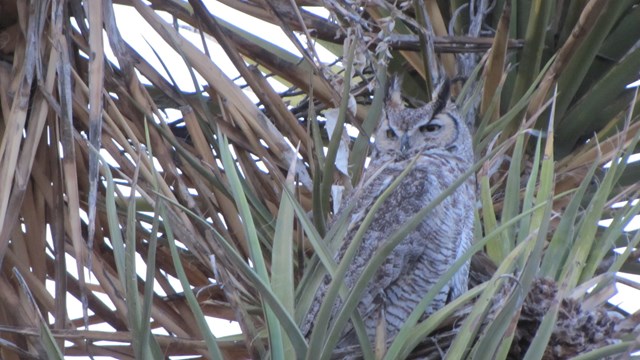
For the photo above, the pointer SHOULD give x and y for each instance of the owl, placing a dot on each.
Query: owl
(437, 135)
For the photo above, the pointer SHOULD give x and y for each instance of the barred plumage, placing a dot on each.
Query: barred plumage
(439, 137)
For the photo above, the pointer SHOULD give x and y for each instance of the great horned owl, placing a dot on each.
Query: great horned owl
(439, 137)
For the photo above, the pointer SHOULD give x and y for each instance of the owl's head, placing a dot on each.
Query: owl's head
(435, 127)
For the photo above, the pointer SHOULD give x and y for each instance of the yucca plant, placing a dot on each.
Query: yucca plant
(104, 196)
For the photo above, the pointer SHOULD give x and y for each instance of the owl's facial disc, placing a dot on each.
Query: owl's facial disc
(407, 132)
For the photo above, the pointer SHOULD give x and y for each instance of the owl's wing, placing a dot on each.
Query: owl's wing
(363, 198)
(434, 241)
(417, 263)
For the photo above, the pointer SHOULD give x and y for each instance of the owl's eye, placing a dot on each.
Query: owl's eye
(391, 134)
(429, 128)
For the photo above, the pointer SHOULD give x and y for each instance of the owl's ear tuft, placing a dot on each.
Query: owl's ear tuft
(394, 96)
(443, 93)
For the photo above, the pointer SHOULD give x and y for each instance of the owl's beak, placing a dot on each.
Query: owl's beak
(404, 143)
